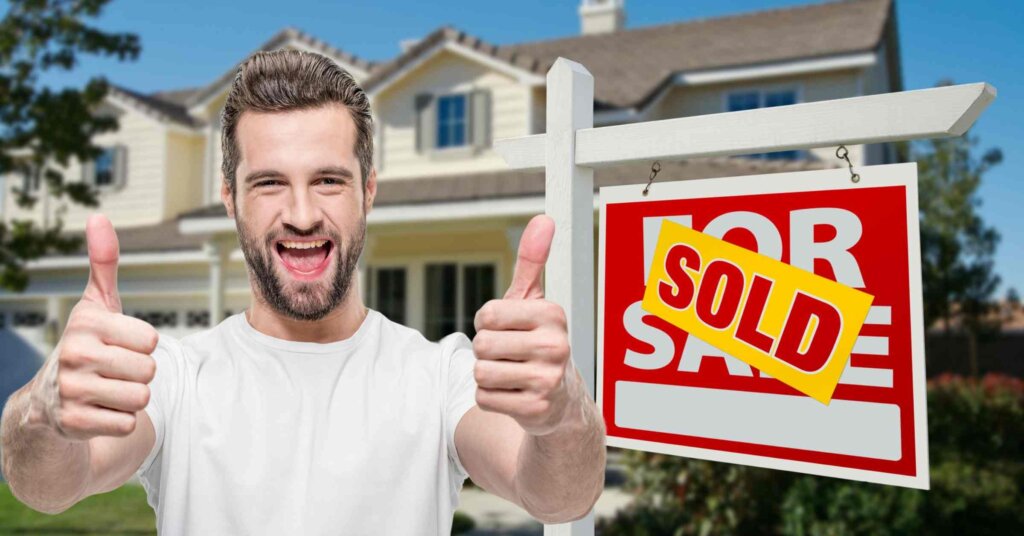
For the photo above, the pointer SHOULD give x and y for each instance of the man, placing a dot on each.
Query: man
(307, 413)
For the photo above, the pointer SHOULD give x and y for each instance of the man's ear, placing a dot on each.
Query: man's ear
(370, 191)
(226, 198)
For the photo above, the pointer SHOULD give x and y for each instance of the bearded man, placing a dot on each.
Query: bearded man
(308, 413)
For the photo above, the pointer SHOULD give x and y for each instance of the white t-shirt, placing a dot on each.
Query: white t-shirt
(258, 435)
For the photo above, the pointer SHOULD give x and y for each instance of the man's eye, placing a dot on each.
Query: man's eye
(330, 181)
(261, 184)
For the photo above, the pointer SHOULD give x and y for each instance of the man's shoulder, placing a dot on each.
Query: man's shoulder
(409, 339)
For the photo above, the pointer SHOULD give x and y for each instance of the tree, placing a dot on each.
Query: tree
(43, 130)
(957, 248)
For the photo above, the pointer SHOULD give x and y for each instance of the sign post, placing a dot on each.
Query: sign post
(571, 148)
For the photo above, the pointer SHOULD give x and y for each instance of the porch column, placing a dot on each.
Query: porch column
(362, 270)
(215, 252)
(56, 316)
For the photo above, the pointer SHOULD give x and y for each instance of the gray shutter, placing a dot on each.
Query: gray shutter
(480, 118)
(426, 122)
(120, 166)
(89, 173)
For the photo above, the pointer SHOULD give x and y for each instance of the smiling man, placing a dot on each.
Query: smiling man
(308, 413)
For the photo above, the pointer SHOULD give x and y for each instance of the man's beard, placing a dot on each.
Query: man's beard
(309, 301)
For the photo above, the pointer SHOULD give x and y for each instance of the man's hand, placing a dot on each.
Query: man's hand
(522, 344)
(96, 379)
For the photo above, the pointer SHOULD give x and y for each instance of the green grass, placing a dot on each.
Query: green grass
(122, 511)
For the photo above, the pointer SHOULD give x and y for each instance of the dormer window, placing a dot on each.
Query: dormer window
(108, 171)
(452, 126)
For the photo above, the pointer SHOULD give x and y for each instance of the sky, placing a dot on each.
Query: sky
(188, 43)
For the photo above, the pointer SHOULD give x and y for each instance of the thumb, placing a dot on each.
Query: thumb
(103, 255)
(534, 247)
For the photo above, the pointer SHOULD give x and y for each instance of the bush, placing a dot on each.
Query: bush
(976, 429)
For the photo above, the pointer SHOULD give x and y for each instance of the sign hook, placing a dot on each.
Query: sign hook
(655, 168)
(843, 154)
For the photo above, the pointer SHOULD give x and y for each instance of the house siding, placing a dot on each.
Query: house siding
(446, 72)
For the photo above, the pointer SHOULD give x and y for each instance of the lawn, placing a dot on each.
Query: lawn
(122, 511)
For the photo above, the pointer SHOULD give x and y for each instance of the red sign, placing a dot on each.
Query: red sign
(664, 390)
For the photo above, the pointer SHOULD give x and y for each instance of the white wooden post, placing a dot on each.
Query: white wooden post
(569, 200)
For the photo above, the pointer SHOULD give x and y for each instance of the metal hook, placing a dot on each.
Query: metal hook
(655, 168)
(843, 153)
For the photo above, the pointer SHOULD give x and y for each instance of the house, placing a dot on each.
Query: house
(449, 214)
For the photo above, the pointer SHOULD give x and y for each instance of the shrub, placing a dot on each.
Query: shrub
(976, 429)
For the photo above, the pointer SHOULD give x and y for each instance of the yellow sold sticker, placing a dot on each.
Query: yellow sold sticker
(789, 323)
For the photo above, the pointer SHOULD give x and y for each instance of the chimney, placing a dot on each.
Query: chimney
(602, 16)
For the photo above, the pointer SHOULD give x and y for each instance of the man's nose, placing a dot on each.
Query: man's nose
(303, 212)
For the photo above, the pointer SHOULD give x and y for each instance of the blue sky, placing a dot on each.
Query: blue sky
(190, 42)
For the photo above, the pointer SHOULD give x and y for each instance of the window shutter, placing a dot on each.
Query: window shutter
(480, 118)
(89, 173)
(120, 166)
(426, 122)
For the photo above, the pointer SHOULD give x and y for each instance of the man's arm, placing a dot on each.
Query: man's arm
(51, 473)
(535, 438)
(552, 476)
(78, 427)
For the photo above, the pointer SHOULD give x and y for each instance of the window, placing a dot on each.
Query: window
(451, 121)
(194, 319)
(104, 168)
(749, 100)
(454, 293)
(28, 319)
(158, 319)
(388, 290)
(29, 180)
(108, 169)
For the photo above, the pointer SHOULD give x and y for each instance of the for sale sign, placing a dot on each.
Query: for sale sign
(770, 320)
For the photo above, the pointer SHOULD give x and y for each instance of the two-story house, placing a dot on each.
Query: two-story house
(443, 236)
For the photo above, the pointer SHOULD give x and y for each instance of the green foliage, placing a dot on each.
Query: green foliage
(122, 511)
(462, 523)
(976, 427)
(44, 129)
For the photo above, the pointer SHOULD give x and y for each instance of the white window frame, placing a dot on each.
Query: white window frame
(120, 174)
(762, 90)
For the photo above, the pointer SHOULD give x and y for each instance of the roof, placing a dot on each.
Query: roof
(276, 41)
(510, 184)
(631, 65)
(161, 105)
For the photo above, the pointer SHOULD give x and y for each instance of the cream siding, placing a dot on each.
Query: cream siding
(138, 202)
(183, 188)
(444, 73)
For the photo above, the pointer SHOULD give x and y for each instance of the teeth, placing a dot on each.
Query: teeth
(302, 245)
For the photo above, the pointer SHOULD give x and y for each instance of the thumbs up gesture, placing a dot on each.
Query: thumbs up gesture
(96, 379)
(522, 344)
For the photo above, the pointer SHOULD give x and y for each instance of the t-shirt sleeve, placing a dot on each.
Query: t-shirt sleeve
(460, 390)
(163, 392)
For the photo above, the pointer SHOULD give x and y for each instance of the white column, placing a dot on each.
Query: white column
(362, 267)
(56, 316)
(216, 292)
(569, 200)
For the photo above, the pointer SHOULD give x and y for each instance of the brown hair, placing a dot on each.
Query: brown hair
(284, 80)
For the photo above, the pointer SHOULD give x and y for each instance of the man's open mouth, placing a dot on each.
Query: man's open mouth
(305, 258)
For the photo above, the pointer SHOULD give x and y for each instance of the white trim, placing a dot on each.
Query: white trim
(925, 113)
(858, 60)
(521, 75)
(126, 259)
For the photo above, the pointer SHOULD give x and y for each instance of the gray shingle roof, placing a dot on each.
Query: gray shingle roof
(630, 65)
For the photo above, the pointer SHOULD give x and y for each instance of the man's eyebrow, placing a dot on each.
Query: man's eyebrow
(337, 171)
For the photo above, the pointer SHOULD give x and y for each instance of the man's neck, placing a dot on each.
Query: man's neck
(338, 325)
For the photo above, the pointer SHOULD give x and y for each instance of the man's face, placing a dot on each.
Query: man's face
(300, 207)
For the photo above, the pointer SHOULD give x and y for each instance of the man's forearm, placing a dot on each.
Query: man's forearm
(560, 475)
(45, 471)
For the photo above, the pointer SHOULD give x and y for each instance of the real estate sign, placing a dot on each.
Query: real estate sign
(771, 320)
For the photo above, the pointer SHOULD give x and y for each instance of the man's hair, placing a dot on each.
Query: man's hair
(285, 80)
